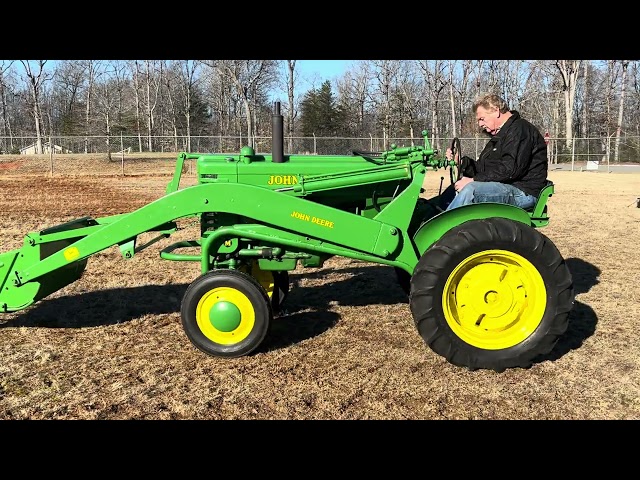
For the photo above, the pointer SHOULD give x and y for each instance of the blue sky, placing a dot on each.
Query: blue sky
(326, 69)
(312, 73)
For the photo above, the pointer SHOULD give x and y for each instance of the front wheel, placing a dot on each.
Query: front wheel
(492, 294)
(226, 313)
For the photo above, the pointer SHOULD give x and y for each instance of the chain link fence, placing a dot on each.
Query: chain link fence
(129, 155)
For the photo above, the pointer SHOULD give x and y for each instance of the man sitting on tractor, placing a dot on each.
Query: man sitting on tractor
(512, 167)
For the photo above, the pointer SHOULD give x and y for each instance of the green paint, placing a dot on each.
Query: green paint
(225, 316)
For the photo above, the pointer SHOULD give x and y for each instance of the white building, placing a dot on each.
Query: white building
(31, 149)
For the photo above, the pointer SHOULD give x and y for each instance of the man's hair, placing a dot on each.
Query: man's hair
(491, 101)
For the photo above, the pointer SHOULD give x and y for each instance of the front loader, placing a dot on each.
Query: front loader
(486, 289)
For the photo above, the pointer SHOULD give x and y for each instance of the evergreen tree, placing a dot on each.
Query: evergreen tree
(321, 114)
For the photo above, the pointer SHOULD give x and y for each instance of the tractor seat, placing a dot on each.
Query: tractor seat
(538, 213)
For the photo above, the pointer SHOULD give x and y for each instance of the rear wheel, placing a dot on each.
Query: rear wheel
(226, 313)
(492, 294)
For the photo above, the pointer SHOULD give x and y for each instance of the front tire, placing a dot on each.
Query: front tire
(226, 313)
(491, 294)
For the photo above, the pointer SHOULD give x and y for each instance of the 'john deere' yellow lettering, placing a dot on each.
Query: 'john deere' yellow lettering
(308, 218)
(322, 222)
(301, 216)
(282, 180)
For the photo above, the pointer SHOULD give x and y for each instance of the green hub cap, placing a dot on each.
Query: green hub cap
(494, 299)
(225, 316)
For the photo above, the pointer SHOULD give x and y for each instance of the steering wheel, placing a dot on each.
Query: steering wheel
(455, 172)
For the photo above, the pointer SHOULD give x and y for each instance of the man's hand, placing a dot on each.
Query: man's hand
(460, 184)
(449, 154)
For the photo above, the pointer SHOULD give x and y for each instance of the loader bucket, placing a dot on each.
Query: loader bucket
(14, 297)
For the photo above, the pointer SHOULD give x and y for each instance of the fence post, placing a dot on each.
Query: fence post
(50, 156)
(315, 148)
(122, 154)
(573, 152)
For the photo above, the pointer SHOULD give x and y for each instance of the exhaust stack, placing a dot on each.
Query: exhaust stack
(277, 134)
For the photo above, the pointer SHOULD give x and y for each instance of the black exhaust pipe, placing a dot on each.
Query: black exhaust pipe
(277, 134)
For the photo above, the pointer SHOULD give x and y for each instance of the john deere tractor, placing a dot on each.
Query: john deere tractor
(486, 289)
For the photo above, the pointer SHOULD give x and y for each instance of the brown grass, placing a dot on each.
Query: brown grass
(111, 345)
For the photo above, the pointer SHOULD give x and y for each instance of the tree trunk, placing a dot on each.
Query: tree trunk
(6, 123)
(569, 70)
(452, 104)
(291, 64)
(556, 123)
(136, 92)
(87, 113)
(585, 100)
(36, 81)
(625, 65)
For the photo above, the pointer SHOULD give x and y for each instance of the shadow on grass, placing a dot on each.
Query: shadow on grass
(101, 307)
(308, 308)
(582, 318)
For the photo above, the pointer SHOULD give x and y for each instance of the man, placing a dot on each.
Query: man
(512, 167)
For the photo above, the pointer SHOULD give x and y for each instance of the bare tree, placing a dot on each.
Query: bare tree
(292, 111)
(491, 76)
(585, 99)
(623, 84)
(385, 73)
(452, 103)
(569, 70)
(68, 79)
(151, 85)
(464, 92)
(354, 94)
(107, 99)
(246, 76)
(90, 66)
(134, 66)
(171, 76)
(188, 79)
(459, 80)
(635, 95)
(6, 122)
(35, 76)
(433, 75)
(410, 92)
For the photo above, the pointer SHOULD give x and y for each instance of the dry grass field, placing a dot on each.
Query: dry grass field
(111, 345)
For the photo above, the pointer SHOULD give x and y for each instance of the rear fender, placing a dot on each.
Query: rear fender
(436, 227)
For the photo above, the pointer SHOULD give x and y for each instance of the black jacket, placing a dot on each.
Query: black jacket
(516, 155)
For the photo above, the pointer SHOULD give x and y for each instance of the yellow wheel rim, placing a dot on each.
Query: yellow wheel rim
(225, 315)
(494, 299)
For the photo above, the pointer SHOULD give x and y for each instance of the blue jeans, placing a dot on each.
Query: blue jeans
(479, 192)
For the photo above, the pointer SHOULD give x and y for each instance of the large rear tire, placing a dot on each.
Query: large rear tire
(226, 313)
(491, 294)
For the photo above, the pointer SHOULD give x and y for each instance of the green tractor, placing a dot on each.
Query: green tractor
(486, 289)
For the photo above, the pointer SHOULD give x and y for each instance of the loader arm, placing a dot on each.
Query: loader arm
(26, 274)
(269, 207)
